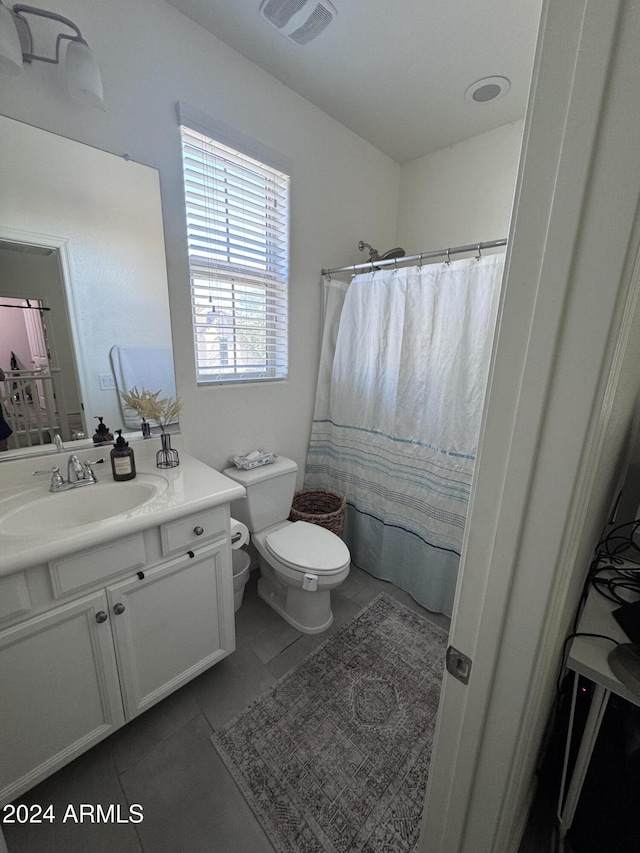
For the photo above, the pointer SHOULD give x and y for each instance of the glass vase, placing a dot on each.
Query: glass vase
(166, 457)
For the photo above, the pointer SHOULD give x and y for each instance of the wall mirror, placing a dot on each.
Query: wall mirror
(84, 309)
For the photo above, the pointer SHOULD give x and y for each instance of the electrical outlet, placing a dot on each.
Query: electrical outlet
(107, 382)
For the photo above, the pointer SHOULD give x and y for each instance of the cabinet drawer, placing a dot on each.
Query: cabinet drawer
(14, 596)
(88, 567)
(192, 530)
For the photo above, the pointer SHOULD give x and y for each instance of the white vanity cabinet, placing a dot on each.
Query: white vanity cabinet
(169, 627)
(59, 691)
(105, 633)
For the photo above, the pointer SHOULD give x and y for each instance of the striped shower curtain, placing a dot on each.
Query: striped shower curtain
(401, 387)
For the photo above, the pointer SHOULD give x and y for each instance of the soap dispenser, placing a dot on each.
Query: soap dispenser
(102, 433)
(123, 464)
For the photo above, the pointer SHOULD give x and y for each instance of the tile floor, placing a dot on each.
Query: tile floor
(164, 760)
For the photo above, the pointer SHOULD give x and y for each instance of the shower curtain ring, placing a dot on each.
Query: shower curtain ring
(448, 261)
(479, 255)
(420, 261)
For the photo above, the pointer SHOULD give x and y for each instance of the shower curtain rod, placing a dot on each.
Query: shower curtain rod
(457, 250)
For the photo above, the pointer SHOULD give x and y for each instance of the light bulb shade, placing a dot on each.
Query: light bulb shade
(83, 75)
(10, 50)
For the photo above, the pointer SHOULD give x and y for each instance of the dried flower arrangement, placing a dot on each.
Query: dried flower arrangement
(151, 407)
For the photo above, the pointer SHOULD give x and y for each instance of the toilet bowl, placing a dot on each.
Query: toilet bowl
(300, 563)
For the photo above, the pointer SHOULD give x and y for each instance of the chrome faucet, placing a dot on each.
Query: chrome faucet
(74, 469)
(78, 474)
(58, 443)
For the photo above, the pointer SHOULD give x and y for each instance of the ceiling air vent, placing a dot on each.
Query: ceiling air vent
(301, 20)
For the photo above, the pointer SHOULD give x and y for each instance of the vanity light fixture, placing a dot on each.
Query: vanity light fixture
(16, 47)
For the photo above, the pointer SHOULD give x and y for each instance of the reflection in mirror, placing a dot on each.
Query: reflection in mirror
(83, 289)
(40, 393)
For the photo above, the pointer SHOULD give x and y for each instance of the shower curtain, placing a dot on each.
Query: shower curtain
(403, 373)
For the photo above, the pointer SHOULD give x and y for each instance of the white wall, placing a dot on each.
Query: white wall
(461, 194)
(342, 190)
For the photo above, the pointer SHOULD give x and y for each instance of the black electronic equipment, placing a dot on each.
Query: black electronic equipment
(628, 617)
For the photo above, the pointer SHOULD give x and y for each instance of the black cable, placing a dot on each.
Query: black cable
(608, 587)
(619, 540)
(617, 552)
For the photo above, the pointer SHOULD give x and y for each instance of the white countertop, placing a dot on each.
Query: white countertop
(190, 487)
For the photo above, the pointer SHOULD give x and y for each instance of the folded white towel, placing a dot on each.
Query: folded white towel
(253, 459)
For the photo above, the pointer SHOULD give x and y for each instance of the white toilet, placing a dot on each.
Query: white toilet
(300, 563)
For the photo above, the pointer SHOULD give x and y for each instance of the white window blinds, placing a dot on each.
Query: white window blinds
(238, 235)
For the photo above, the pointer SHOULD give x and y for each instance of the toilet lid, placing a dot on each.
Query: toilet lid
(306, 546)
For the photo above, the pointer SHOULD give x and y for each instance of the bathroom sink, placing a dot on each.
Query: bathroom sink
(34, 512)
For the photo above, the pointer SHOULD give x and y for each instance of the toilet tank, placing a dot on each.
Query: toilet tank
(270, 490)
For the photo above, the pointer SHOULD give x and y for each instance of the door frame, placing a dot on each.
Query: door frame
(541, 474)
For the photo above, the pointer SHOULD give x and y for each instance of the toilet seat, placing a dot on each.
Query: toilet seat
(309, 548)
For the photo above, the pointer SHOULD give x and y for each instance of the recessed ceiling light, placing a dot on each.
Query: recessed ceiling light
(487, 89)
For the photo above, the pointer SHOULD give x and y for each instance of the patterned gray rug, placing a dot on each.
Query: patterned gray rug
(335, 757)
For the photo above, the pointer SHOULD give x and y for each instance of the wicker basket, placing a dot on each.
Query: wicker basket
(318, 506)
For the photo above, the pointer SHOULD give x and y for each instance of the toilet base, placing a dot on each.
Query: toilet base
(307, 612)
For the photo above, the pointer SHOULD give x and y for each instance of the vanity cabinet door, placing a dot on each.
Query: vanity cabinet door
(171, 623)
(59, 691)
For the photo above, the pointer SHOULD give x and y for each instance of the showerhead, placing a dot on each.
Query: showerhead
(393, 253)
(374, 254)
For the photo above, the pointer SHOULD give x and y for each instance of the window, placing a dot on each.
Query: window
(238, 233)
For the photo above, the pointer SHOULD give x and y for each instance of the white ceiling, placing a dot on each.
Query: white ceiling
(394, 71)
